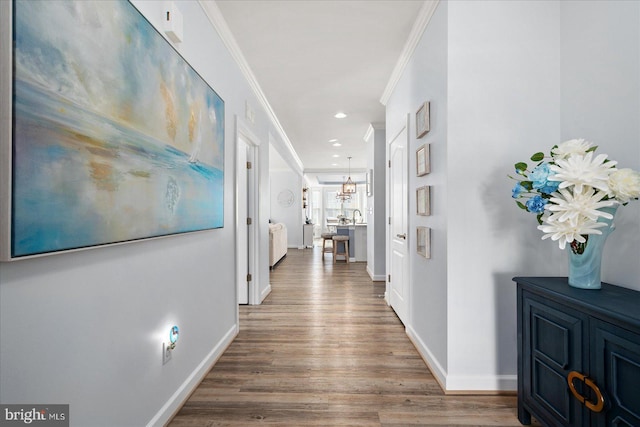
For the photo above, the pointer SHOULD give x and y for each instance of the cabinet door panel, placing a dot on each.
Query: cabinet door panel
(554, 335)
(616, 370)
(549, 387)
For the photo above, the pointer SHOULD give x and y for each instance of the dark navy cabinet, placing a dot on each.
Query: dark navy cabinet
(578, 354)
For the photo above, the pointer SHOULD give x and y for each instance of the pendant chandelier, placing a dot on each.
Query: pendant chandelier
(349, 187)
(342, 197)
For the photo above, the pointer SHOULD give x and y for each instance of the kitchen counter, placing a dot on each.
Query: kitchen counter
(357, 240)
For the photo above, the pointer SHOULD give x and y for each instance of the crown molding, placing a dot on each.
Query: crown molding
(212, 11)
(372, 128)
(419, 26)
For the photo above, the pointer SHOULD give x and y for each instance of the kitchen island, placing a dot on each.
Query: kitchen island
(357, 240)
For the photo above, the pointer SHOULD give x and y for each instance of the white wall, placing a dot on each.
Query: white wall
(375, 214)
(507, 79)
(425, 79)
(601, 102)
(290, 216)
(504, 96)
(86, 328)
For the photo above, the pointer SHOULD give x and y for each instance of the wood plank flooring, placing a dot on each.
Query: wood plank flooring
(324, 349)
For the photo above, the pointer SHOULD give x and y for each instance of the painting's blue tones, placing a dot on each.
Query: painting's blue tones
(116, 138)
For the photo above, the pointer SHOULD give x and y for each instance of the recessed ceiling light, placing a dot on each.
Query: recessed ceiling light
(336, 144)
(334, 164)
(336, 155)
(340, 115)
(333, 140)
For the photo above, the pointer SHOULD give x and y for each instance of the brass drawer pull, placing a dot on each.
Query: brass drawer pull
(595, 407)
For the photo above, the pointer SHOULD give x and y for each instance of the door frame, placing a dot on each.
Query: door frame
(402, 126)
(252, 252)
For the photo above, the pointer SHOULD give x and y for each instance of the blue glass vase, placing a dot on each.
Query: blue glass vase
(584, 268)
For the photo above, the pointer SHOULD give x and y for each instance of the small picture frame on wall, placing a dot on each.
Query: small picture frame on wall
(423, 241)
(423, 201)
(423, 161)
(422, 120)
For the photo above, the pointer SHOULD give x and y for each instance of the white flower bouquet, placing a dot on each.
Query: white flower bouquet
(571, 189)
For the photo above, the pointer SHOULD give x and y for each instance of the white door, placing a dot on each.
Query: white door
(245, 236)
(398, 236)
(243, 228)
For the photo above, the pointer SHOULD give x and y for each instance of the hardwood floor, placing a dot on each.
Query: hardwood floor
(324, 349)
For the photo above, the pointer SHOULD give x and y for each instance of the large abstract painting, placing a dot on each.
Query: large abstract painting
(115, 137)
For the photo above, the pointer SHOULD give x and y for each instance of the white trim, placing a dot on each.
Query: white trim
(419, 26)
(265, 293)
(244, 132)
(179, 397)
(220, 24)
(457, 384)
(434, 366)
(374, 277)
(371, 128)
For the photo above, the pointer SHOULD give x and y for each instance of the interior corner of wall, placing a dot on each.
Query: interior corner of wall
(434, 365)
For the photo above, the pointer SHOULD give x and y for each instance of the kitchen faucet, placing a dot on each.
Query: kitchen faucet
(353, 220)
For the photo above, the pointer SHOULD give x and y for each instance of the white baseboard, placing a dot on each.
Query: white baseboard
(435, 367)
(458, 384)
(374, 277)
(175, 402)
(264, 293)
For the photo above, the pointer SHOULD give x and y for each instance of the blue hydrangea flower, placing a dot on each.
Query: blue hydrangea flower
(540, 179)
(517, 191)
(536, 204)
(550, 187)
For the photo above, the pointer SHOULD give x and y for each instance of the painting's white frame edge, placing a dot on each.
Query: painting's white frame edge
(6, 126)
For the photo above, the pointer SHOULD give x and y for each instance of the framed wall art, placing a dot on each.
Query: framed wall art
(109, 135)
(423, 161)
(422, 120)
(423, 201)
(423, 241)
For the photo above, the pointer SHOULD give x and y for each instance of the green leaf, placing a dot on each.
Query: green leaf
(594, 148)
(539, 218)
(527, 184)
(521, 166)
(537, 157)
(521, 205)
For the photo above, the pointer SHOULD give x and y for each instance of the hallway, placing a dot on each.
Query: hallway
(324, 349)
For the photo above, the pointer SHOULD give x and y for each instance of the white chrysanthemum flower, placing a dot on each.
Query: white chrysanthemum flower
(567, 206)
(579, 171)
(625, 184)
(566, 232)
(573, 146)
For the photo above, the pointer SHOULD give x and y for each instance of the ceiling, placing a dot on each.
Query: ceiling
(314, 58)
